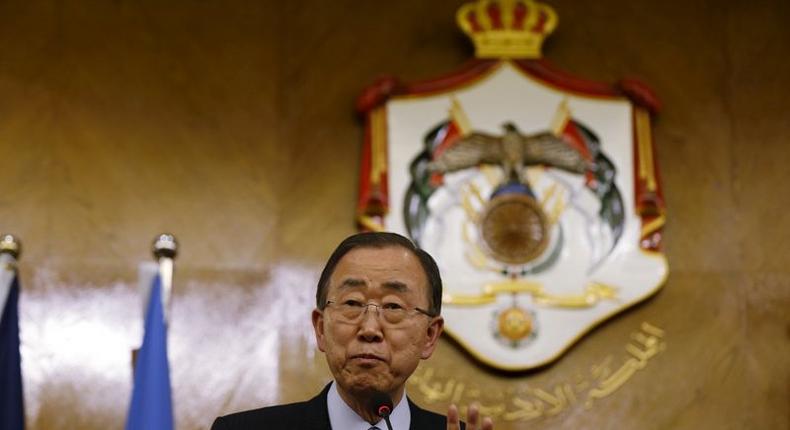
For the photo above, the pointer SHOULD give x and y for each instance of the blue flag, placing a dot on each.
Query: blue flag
(151, 407)
(12, 405)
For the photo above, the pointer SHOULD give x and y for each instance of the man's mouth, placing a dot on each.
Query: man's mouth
(366, 357)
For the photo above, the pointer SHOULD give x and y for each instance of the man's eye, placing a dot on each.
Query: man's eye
(393, 306)
(353, 303)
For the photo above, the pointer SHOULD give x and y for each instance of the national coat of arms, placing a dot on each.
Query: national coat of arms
(536, 191)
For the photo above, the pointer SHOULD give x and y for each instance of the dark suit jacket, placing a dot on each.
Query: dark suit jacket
(312, 415)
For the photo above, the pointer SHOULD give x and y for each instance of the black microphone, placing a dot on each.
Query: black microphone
(381, 404)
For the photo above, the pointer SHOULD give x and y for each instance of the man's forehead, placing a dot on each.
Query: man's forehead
(392, 267)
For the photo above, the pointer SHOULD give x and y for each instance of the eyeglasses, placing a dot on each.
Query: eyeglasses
(351, 311)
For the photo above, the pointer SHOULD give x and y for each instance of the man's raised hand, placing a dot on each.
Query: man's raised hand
(473, 421)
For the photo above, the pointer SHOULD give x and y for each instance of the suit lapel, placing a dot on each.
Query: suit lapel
(316, 414)
(425, 420)
(417, 416)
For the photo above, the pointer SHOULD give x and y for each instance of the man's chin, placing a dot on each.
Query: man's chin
(366, 384)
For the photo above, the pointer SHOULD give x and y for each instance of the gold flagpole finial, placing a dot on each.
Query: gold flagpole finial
(165, 246)
(9, 244)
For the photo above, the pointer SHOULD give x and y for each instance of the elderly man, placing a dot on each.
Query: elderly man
(377, 315)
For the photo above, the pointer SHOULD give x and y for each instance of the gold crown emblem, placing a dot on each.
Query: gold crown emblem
(507, 28)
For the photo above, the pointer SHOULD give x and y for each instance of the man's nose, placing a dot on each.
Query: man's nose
(370, 326)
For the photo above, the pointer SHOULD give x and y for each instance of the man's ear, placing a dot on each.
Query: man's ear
(432, 334)
(318, 327)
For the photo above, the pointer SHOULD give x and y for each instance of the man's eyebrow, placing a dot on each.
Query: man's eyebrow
(390, 285)
(396, 285)
(352, 282)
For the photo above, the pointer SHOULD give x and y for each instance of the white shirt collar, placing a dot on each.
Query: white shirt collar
(342, 417)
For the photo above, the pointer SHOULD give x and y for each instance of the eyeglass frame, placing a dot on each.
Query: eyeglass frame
(378, 308)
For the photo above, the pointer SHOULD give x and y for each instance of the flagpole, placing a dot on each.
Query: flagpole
(151, 406)
(10, 250)
(165, 249)
(12, 401)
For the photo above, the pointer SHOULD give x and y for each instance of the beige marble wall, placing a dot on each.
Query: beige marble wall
(231, 124)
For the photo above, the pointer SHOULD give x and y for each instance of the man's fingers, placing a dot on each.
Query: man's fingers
(453, 418)
(488, 424)
(472, 417)
(473, 421)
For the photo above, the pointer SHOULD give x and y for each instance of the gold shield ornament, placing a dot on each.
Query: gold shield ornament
(536, 191)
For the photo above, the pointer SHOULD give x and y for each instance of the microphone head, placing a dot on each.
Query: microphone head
(381, 404)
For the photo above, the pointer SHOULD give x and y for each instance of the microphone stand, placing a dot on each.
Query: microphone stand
(387, 420)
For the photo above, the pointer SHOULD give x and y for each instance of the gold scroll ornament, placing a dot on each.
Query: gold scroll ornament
(524, 402)
(593, 293)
